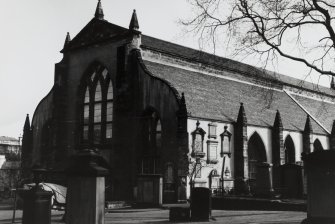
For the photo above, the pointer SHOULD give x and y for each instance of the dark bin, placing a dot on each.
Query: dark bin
(200, 204)
(36, 206)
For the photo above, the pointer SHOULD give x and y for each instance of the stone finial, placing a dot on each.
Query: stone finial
(99, 13)
(26, 126)
(67, 40)
(134, 22)
(308, 125)
(278, 121)
(242, 118)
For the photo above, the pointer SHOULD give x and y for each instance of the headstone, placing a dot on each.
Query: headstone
(200, 204)
(263, 180)
(291, 181)
(320, 171)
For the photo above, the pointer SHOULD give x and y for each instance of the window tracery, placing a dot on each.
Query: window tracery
(97, 108)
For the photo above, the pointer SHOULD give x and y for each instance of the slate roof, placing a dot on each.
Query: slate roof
(228, 64)
(203, 57)
(217, 98)
(323, 111)
(99, 30)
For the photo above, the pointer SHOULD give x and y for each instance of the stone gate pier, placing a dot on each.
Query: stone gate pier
(86, 188)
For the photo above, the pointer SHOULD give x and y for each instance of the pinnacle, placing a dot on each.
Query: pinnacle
(134, 22)
(278, 121)
(99, 14)
(241, 117)
(67, 39)
(308, 125)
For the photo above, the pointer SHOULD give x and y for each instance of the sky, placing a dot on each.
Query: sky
(33, 33)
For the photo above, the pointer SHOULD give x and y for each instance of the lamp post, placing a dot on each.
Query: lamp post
(225, 150)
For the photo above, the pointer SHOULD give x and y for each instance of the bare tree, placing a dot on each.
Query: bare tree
(300, 30)
(195, 167)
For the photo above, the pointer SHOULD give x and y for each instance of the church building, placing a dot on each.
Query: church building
(167, 117)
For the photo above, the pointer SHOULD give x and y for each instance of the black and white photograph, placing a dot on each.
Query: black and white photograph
(167, 111)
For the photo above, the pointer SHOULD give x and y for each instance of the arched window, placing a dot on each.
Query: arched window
(152, 137)
(97, 109)
(154, 132)
(289, 150)
(256, 153)
(317, 145)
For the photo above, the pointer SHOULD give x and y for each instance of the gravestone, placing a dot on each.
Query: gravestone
(263, 180)
(320, 171)
(291, 181)
(200, 204)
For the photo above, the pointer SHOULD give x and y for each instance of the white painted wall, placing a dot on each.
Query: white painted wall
(229, 162)
(264, 133)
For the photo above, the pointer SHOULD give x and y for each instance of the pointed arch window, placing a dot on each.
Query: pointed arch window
(152, 143)
(97, 109)
(317, 145)
(289, 150)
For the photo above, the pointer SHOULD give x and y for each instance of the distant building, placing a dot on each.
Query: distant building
(10, 163)
(10, 149)
(154, 108)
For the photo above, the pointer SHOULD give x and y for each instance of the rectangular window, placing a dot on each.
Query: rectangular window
(212, 151)
(108, 131)
(212, 130)
(98, 96)
(87, 96)
(86, 113)
(97, 112)
(109, 111)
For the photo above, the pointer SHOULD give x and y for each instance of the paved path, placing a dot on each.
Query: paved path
(162, 216)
